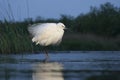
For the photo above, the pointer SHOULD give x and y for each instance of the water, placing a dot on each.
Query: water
(70, 65)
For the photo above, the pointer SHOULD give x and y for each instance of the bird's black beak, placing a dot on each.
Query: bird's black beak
(65, 28)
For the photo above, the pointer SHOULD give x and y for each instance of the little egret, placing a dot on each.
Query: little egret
(47, 34)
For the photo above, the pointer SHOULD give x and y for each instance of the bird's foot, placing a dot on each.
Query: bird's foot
(46, 60)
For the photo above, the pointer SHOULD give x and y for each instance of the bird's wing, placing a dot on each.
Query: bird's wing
(39, 28)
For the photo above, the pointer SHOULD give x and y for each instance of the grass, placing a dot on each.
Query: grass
(14, 38)
(79, 41)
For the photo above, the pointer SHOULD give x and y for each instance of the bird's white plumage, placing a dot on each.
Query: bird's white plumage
(47, 33)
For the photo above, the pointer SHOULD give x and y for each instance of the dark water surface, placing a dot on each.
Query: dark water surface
(70, 65)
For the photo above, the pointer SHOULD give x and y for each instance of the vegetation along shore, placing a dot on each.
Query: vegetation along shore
(99, 29)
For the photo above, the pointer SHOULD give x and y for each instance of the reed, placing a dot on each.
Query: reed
(14, 38)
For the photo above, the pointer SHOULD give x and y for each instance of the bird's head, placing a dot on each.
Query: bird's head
(61, 25)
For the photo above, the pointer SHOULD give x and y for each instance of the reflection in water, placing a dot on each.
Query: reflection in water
(83, 66)
(48, 71)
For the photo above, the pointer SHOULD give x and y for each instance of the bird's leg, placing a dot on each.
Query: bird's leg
(46, 55)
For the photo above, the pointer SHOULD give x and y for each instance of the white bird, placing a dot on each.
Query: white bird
(47, 34)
